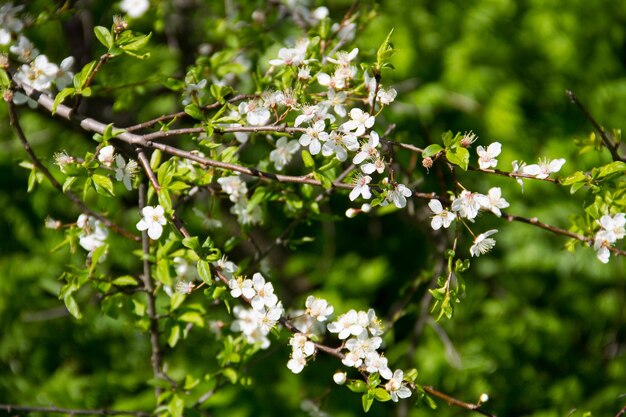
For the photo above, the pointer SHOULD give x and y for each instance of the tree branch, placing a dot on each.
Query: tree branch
(14, 122)
(10, 408)
(155, 358)
(455, 402)
(612, 147)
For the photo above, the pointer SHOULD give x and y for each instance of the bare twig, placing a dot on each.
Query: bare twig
(455, 402)
(612, 147)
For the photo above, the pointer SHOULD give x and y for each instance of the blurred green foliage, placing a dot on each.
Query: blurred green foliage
(540, 329)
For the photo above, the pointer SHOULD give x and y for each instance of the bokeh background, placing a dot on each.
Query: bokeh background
(541, 329)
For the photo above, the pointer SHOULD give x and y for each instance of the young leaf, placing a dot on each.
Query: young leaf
(104, 36)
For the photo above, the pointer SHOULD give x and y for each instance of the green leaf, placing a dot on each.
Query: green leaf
(72, 306)
(574, 178)
(61, 96)
(356, 385)
(125, 280)
(385, 51)
(192, 243)
(165, 200)
(432, 150)
(204, 270)
(458, 156)
(67, 184)
(308, 159)
(192, 317)
(139, 42)
(176, 406)
(381, 394)
(103, 184)
(367, 400)
(104, 36)
(613, 167)
(193, 111)
(83, 75)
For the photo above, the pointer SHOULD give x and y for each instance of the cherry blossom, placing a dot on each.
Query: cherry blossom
(346, 325)
(467, 204)
(361, 187)
(318, 308)
(359, 122)
(93, 233)
(64, 75)
(483, 243)
(256, 113)
(153, 221)
(314, 136)
(494, 201)
(544, 168)
(297, 362)
(134, 8)
(24, 49)
(375, 362)
(487, 157)
(398, 195)
(264, 296)
(125, 171)
(340, 378)
(442, 217)
(240, 286)
(234, 187)
(396, 388)
(368, 150)
(283, 153)
(339, 144)
(107, 155)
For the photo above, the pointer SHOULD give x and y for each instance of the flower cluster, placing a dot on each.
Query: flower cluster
(256, 322)
(611, 230)
(37, 71)
(237, 192)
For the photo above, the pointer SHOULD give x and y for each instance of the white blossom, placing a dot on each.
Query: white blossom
(467, 204)
(193, 90)
(153, 221)
(398, 195)
(375, 362)
(359, 122)
(125, 171)
(361, 187)
(518, 169)
(544, 168)
(442, 217)
(368, 150)
(134, 8)
(297, 362)
(264, 296)
(234, 187)
(344, 58)
(614, 226)
(39, 74)
(483, 243)
(318, 308)
(487, 157)
(314, 136)
(107, 155)
(494, 201)
(93, 233)
(302, 343)
(256, 113)
(226, 267)
(284, 151)
(64, 75)
(24, 49)
(396, 388)
(601, 244)
(240, 286)
(346, 325)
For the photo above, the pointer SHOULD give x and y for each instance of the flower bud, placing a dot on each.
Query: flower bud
(484, 397)
(7, 95)
(339, 378)
(119, 24)
(365, 208)
(351, 212)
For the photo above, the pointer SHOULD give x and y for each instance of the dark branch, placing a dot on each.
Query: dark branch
(10, 408)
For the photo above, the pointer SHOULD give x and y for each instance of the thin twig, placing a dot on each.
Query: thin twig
(457, 403)
(10, 408)
(155, 358)
(621, 412)
(612, 147)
